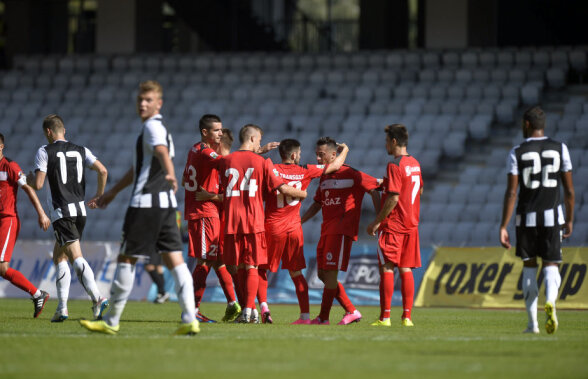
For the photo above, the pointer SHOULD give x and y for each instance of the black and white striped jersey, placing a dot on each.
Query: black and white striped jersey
(64, 163)
(150, 189)
(539, 163)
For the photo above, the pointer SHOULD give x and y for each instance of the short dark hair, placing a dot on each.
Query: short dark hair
(535, 117)
(331, 143)
(227, 137)
(397, 132)
(206, 121)
(246, 131)
(287, 147)
(53, 122)
(2, 137)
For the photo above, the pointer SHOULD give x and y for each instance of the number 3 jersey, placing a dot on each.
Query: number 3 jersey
(201, 171)
(539, 163)
(244, 179)
(64, 163)
(403, 177)
(282, 213)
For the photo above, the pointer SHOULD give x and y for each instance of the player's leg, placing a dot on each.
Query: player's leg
(526, 250)
(199, 276)
(301, 287)
(351, 313)
(174, 261)
(155, 271)
(226, 281)
(410, 257)
(386, 292)
(551, 256)
(62, 283)
(407, 290)
(266, 317)
(293, 261)
(330, 290)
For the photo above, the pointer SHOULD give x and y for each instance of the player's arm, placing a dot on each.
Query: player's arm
(310, 212)
(510, 197)
(569, 199)
(162, 154)
(291, 191)
(342, 149)
(375, 194)
(267, 147)
(204, 195)
(388, 206)
(102, 173)
(44, 221)
(109, 195)
(36, 180)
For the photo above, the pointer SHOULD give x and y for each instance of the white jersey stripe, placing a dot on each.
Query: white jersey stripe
(82, 208)
(549, 218)
(203, 239)
(340, 264)
(73, 212)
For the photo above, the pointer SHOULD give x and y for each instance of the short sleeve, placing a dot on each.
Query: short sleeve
(41, 159)
(90, 158)
(155, 133)
(393, 181)
(566, 159)
(274, 179)
(17, 175)
(511, 163)
(368, 182)
(314, 170)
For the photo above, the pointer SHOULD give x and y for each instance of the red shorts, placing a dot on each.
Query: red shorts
(9, 228)
(402, 249)
(204, 238)
(333, 251)
(249, 249)
(287, 247)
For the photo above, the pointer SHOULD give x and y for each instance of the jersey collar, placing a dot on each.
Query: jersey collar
(536, 138)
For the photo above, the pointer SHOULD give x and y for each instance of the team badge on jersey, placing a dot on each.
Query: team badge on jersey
(3, 175)
(276, 173)
(213, 155)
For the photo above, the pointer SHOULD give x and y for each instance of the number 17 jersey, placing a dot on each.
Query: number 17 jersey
(282, 213)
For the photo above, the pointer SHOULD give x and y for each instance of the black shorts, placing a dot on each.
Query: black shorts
(68, 229)
(150, 231)
(543, 242)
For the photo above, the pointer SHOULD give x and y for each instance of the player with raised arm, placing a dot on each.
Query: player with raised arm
(543, 165)
(397, 224)
(245, 177)
(150, 222)
(201, 170)
(12, 177)
(339, 196)
(63, 162)
(285, 240)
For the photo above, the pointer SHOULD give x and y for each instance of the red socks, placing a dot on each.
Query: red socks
(252, 283)
(226, 282)
(301, 287)
(18, 279)
(199, 277)
(386, 291)
(407, 289)
(343, 299)
(262, 286)
(327, 303)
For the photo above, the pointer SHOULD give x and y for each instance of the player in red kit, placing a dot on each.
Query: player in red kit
(204, 225)
(245, 177)
(12, 177)
(339, 196)
(283, 228)
(397, 223)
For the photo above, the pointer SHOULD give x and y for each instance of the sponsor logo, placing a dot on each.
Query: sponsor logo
(336, 184)
(3, 175)
(292, 176)
(410, 170)
(335, 201)
(329, 256)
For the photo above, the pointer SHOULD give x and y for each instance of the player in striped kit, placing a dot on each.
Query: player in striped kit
(12, 177)
(63, 163)
(543, 166)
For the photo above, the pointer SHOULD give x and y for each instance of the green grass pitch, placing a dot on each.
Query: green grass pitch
(445, 343)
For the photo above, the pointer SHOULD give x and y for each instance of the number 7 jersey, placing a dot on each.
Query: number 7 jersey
(245, 178)
(403, 177)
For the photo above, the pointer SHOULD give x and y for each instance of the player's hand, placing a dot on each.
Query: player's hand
(567, 229)
(372, 228)
(105, 199)
(341, 147)
(267, 147)
(203, 195)
(93, 203)
(44, 222)
(504, 239)
(171, 179)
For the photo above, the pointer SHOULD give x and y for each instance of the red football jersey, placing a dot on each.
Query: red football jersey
(282, 213)
(404, 178)
(11, 176)
(245, 177)
(340, 195)
(201, 170)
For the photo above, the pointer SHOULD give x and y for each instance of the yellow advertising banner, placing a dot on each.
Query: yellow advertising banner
(491, 278)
